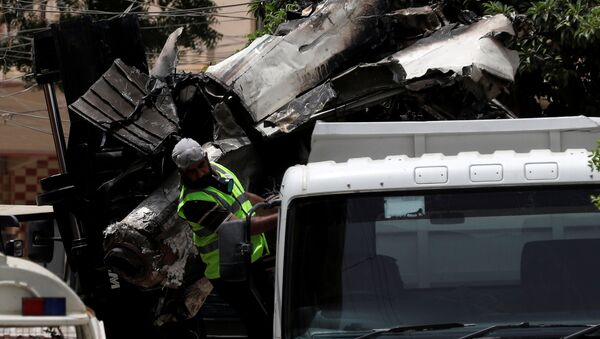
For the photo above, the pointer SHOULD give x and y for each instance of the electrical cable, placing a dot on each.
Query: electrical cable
(19, 52)
(18, 33)
(14, 57)
(16, 124)
(8, 114)
(15, 46)
(125, 13)
(170, 8)
(17, 93)
(190, 24)
(32, 111)
(17, 77)
(167, 13)
(146, 3)
(170, 12)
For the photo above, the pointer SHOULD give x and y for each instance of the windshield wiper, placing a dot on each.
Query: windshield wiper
(487, 330)
(590, 329)
(404, 328)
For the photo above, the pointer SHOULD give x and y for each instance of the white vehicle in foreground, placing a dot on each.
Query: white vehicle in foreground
(451, 229)
(445, 228)
(35, 303)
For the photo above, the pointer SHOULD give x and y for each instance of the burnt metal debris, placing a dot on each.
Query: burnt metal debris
(340, 60)
(138, 246)
(451, 55)
(348, 60)
(120, 103)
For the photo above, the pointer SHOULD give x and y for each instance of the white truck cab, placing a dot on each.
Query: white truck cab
(449, 229)
(35, 303)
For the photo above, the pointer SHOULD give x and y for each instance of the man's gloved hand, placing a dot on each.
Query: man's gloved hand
(272, 196)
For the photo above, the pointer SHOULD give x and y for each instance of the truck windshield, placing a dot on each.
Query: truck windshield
(362, 261)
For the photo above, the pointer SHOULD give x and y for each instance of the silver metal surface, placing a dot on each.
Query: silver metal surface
(56, 126)
(274, 70)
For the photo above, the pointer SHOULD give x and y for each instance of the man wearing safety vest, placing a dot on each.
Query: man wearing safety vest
(205, 202)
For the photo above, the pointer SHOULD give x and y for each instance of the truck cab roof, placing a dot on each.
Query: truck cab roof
(435, 171)
(359, 157)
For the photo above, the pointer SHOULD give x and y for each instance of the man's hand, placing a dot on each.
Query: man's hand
(264, 220)
(255, 199)
(259, 224)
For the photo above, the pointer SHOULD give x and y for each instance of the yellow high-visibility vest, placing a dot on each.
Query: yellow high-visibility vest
(237, 203)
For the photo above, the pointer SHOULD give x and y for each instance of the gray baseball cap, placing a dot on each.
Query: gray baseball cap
(186, 152)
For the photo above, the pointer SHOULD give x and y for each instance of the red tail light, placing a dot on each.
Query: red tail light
(43, 306)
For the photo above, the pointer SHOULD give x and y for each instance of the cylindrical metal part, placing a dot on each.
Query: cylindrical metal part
(56, 125)
(151, 245)
(59, 142)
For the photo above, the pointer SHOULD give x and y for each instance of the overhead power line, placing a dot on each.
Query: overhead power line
(167, 12)
(17, 77)
(16, 93)
(14, 123)
(7, 120)
(166, 8)
(15, 57)
(190, 24)
(16, 46)
(33, 110)
(19, 33)
(9, 115)
(15, 51)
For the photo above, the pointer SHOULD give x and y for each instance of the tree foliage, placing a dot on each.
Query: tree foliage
(22, 18)
(17, 16)
(558, 42)
(271, 14)
(594, 164)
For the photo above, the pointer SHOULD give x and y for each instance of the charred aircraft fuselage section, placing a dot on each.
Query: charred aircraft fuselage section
(273, 70)
(152, 245)
(355, 55)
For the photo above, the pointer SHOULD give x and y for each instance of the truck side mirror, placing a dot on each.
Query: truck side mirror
(234, 251)
(40, 240)
(6, 221)
(14, 248)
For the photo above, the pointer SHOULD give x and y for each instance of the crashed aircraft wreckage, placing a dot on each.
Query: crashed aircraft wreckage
(473, 56)
(352, 60)
(271, 75)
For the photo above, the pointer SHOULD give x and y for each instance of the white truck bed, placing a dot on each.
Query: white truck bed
(376, 140)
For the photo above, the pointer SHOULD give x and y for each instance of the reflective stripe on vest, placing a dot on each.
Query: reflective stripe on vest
(237, 203)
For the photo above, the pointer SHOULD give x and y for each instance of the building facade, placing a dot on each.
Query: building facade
(27, 151)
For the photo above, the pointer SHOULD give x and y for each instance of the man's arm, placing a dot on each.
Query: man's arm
(208, 214)
(255, 199)
(260, 224)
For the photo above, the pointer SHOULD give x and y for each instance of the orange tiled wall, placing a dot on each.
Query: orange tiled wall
(21, 177)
